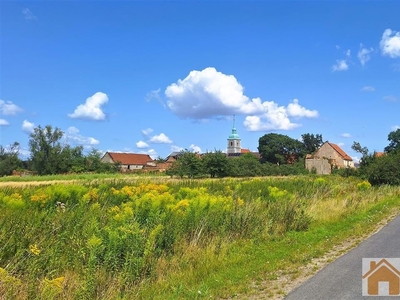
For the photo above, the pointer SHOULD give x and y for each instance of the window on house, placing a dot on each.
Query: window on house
(231, 144)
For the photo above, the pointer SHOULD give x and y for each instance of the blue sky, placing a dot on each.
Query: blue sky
(159, 76)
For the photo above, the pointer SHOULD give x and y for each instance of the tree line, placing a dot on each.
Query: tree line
(278, 155)
(379, 168)
(48, 156)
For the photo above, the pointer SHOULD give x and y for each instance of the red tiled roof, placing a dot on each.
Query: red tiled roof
(244, 151)
(340, 151)
(379, 154)
(130, 158)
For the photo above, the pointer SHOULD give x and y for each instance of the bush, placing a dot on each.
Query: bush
(385, 170)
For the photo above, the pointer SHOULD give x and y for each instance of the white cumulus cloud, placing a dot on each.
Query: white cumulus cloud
(4, 122)
(276, 117)
(364, 54)
(72, 134)
(160, 139)
(294, 109)
(9, 108)
(341, 65)
(142, 145)
(27, 126)
(395, 127)
(195, 148)
(212, 94)
(204, 94)
(92, 109)
(390, 43)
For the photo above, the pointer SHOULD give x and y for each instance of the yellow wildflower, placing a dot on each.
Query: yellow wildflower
(34, 249)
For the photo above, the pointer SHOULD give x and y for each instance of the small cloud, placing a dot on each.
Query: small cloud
(341, 65)
(340, 144)
(296, 110)
(364, 54)
(277, 117)
(160, 139)
(337, 47)
(395, 127)
(368, 88)
(28, 15)
(9, 108)
(175, 148)
(390, 43)
(151, 152)
(356, 159)
(348, 53)
(72, 134)
(154, 95)
(24, 153)
(195, 148)
(142, 145)
(346, 135)
(390, 98)
(147, 131)
(91, 110)
(27, 127)
(4, 122)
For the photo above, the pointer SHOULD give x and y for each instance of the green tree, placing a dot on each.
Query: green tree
(45, 148)
(394, 139)
(358, 148)
(312, 142)
(188, 164)
(9, 159)
(245, 165)
(93, 163)
(280, 149)
(385, 169)
(215, 164)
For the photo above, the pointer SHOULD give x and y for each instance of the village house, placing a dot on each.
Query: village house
(130, 161)
(327, 156)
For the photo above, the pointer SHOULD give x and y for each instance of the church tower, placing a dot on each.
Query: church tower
(234, 141)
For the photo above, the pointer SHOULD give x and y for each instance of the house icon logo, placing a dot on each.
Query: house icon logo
(381, 277)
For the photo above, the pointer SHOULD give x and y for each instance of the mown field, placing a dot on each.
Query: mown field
(161, 238)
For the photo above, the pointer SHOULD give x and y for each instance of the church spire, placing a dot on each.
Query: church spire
(234, 128)
(234, 139)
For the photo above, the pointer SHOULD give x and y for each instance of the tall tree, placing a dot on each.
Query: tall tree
(188, 164)
(312, 142)
(45, 148)
(394, 139)
(358, 148)
(9, 159)
(280, 149)
(215, 163)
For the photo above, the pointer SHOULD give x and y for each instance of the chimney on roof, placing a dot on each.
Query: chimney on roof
(372, 265)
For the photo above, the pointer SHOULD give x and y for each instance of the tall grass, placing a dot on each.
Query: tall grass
(120, 238)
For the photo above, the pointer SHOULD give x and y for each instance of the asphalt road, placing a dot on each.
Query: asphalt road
(342, 279)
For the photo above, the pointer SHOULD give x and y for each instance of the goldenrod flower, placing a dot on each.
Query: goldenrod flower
(34, 249)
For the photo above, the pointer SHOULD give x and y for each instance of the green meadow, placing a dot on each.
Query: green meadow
(160, 238)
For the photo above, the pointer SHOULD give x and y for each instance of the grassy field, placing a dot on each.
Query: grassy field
(159, 238)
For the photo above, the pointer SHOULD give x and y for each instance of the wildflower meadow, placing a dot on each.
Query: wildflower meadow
(167, 238)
